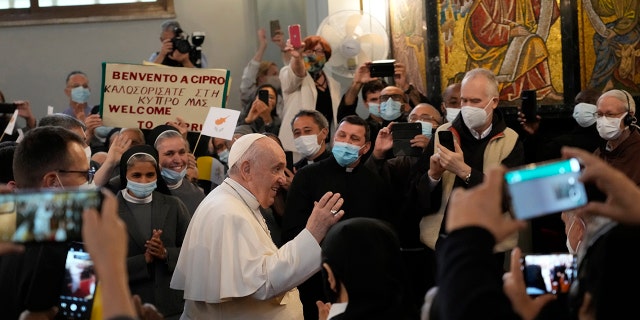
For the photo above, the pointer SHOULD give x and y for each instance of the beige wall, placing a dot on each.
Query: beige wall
(36, 59)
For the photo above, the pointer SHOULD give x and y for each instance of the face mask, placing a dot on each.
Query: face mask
(141, 190)
(307, 145)
(609, 128)
(452, 113)
(173, 177)
(374, 109)
(474, 118)
(80, 94)
(273, 81)
(224, 155)
(390, 109)
(314, 64)
(84, 186)
(571, 250)
(427, 128)
(585, 114)
(87, 186)
(345, 153)
(87, 151)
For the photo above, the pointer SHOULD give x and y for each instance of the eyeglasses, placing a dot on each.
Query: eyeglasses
(424, 117)
(318, 52)
(89, 173)
(608, 115)
(395, 97)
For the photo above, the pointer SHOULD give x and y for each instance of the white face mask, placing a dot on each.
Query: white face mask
(307, 145)
(609, 128)
(585, 114)
(452, 113)
(474, 117)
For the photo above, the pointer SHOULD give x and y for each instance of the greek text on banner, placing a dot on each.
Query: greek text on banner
(142, 96)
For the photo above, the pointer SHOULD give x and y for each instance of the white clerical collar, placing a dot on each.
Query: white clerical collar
(337, 308)
(245, 194)
(174, 186)
(484, 133)
(132, 199)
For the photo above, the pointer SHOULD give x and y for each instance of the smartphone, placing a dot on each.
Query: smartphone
(79, 285)
(95, 109)
(382, 68)
(403, 133)
(529, 105)
(8, 107)
(549, 273)
(263, 95)
(295, 37)
(445, 138)
(539, 189)
(274, 27)
(46, 215)
(289, 157)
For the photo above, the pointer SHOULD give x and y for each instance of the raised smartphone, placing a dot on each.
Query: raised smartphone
(263, 95)
(445, 138)
(295, 36)
(529, 105)
(382, 68)
(274, 26)
(48, 215)
(543, 188)
(8, 107)
(79, 285)
(403, 133)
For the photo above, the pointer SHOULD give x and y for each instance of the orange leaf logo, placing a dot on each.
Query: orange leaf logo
(220, 121)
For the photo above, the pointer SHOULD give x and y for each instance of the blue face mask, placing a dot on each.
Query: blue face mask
(390, 109)
(173, 177)
(224, 155)
(374, 109)
(80, 94)
(427, 128)
(141, 190)
(345, 153)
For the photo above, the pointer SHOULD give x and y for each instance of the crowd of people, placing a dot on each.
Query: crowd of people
(349, 229)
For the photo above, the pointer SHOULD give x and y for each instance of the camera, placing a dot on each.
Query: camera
(181, 43)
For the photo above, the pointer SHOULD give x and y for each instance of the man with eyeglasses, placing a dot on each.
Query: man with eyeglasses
(400, 174)
(47, 157)
(481, 140)
(616, 123)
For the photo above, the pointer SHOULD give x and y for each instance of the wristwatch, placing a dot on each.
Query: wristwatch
(467, 179)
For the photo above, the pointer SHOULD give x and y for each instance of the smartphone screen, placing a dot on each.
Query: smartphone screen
(295, 36)
(48, 215)
(544, 188)
(549, 273)
(274, 27)
(445, 138)
(79, 286)
(263, 95)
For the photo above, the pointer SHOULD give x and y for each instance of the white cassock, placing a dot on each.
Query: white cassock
(229, 268)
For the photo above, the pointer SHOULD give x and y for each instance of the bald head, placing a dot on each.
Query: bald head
(427, 113)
